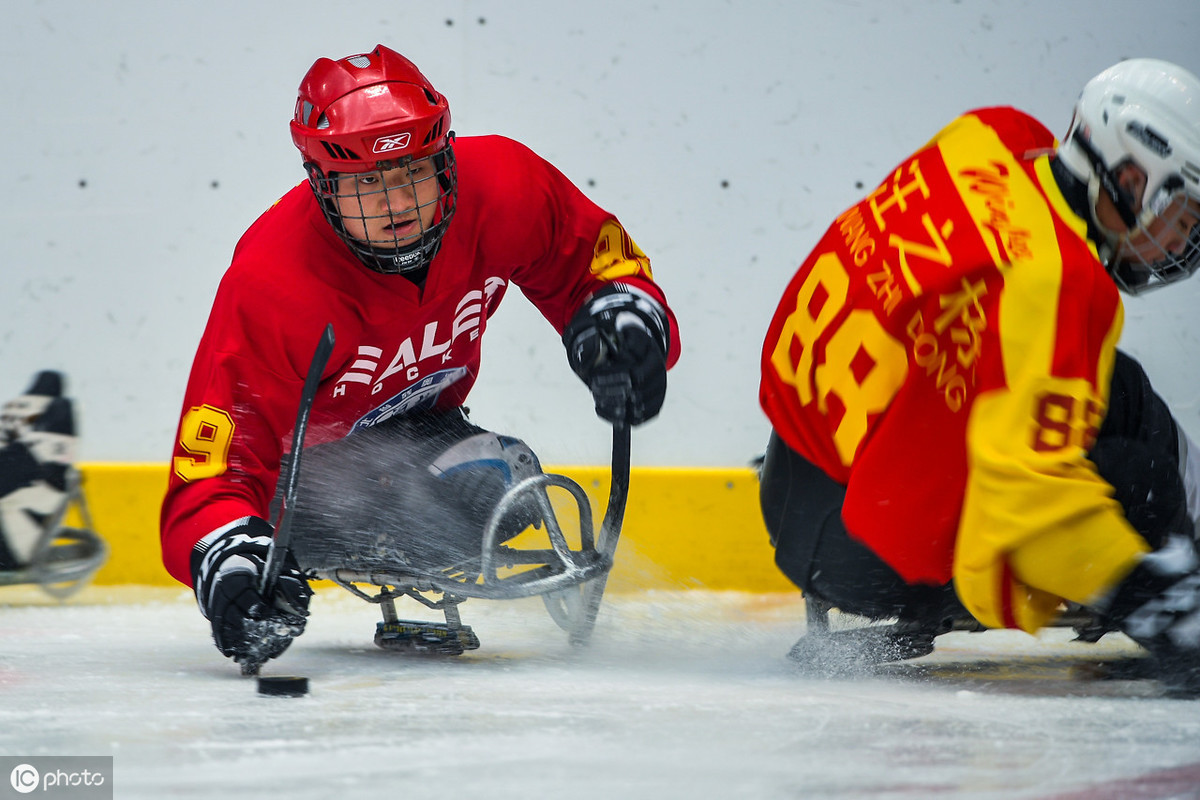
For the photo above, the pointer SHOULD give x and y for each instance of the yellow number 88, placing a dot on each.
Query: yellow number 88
(883, 370)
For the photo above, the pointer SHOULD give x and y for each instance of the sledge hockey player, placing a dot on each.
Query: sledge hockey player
(38, 482)
(405, 239)
(952, 425)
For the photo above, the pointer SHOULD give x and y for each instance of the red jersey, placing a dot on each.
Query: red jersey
(400, 348)
(945, 353)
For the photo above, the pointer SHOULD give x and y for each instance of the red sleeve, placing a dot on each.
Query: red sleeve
(237, 416)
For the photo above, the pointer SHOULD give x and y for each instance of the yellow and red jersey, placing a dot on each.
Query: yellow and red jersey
(399, 349)
(945, 353)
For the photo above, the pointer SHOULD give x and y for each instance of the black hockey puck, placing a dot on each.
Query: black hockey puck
(287, 686)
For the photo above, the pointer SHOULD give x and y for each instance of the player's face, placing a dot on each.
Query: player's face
(1166, 232)
(392, 207)
(1164, 246)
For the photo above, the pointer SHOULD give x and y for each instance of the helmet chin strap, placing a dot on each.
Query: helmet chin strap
(1103, 178)
(411, 262)
(1106, 249)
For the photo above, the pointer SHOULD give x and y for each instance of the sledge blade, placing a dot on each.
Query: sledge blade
(433, 638)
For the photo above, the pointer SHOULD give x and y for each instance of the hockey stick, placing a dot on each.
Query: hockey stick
(610, 532)
(283, 534)
(276, 552)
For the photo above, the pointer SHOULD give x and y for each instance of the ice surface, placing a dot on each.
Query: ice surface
(680, 695)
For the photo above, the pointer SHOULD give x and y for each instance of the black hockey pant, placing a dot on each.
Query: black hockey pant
(1137, 451)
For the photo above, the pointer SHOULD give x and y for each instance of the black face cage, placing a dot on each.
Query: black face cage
(1137, 275)
(392, 254)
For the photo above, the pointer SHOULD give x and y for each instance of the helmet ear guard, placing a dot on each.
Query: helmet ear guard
(1122, 200)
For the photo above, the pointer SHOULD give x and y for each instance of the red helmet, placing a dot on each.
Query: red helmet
(357, 111)
(376, 113)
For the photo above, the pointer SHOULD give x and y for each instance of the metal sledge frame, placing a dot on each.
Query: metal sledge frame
(572, 595)
(879, 642)
(572, 608)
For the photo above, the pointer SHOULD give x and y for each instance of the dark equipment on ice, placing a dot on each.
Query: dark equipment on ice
(39, 487)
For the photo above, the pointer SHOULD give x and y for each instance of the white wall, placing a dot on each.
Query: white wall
(141, 139)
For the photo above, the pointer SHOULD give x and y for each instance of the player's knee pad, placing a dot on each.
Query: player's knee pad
(480, 470)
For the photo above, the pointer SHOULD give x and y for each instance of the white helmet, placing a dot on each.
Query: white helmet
(1143, 112)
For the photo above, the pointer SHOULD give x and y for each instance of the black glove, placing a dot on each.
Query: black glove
(1158, 606)
(226, 574)
(617, 344)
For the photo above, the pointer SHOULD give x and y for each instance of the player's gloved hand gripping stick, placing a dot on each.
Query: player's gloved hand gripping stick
(617, 344)
(248, 583)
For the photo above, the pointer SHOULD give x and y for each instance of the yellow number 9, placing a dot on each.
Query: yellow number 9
(205, 434)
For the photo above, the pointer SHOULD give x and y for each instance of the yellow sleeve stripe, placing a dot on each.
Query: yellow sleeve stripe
(1035, 513)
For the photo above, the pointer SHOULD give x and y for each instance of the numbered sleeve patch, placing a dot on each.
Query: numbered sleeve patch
(205, 435)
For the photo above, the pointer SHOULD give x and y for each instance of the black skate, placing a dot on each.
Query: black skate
(882, 648)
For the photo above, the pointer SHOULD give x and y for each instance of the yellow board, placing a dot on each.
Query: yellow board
(684, 528)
